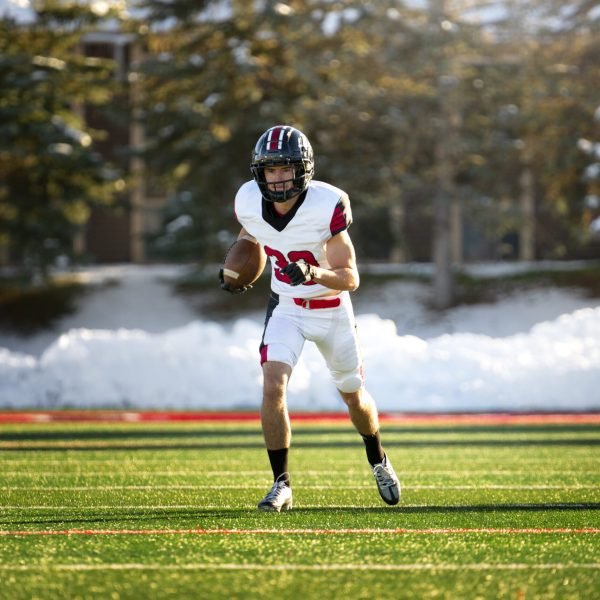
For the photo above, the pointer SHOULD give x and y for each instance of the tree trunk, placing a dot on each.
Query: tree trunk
(397, 218)
(445, 229)
(443, 279)
(527, 229)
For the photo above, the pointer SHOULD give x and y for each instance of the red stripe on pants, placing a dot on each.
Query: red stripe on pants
(263, 354)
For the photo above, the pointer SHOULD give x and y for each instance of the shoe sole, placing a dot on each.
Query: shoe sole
(269, 508)
(391, 501)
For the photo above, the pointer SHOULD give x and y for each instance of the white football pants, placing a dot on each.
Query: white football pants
(333, 330)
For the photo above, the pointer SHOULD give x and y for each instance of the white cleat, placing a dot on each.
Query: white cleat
(279, 497)
(387, 482)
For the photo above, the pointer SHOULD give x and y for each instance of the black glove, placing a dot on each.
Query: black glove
(228, 288)
(299, 272)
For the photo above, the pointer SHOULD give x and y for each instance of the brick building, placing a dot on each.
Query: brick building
(119, 235)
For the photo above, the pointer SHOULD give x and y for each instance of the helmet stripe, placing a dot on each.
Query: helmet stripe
(275, 138)
(270, 139)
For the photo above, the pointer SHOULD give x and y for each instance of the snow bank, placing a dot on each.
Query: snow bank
(204, 365)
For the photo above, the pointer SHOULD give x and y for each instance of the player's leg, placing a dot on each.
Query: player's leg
(280, 348)
(362, 410)
(338, 343)
(273, 412)
(363, 414)
(341, 352)
(277, 433)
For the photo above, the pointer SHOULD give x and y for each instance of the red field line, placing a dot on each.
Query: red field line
(315, 417)
(402, 531)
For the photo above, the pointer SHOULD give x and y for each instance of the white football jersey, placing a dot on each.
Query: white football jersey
(302, 234)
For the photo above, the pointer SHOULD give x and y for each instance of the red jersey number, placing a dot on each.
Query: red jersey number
(294, 256)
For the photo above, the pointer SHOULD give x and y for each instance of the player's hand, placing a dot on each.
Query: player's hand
(228, 288)
(299, 272)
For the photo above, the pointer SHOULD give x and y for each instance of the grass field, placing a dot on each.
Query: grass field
(167, 510)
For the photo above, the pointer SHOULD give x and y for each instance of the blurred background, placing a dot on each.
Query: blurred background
(466, 132)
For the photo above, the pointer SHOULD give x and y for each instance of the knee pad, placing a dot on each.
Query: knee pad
(349, 382)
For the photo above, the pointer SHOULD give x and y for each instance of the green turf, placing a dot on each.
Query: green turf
(86, 477)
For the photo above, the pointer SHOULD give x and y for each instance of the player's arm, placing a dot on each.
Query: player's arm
(342, 274)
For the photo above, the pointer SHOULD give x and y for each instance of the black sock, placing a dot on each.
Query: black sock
(279, 463)
(375, 453)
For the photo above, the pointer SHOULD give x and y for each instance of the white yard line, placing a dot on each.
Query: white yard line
(307, 531)
(134, 507)
(80, 488)
(126, 467)
(343, 507)
(300, 567)
(261, 472)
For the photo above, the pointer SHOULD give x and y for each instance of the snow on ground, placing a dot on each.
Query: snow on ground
(405, 303)
(135, 345)
(127, 297)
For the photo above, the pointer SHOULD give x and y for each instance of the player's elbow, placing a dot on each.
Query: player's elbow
(354, 281)
(346, 280)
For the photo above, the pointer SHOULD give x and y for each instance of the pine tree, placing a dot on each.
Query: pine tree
(50, 173)
(403, 105)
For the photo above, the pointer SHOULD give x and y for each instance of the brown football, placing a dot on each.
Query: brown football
(244, 263)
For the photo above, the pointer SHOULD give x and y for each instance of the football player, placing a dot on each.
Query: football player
(302, 224)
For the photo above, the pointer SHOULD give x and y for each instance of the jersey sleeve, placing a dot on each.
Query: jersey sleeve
(342, 216)
(240, 205)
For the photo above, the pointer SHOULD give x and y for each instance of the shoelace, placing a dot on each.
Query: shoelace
(275, 491)
(384, 476)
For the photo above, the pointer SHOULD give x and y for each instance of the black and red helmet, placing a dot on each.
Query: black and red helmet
(283, 145)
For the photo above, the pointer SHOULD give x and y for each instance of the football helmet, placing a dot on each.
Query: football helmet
(283, 145)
